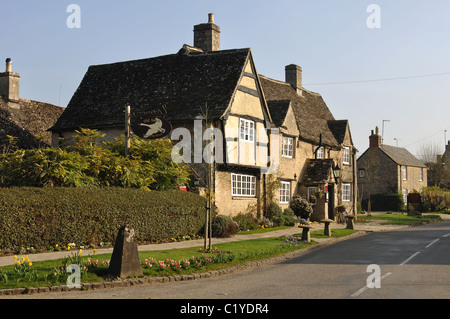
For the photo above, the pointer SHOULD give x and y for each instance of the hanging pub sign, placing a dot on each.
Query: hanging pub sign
(151, 128)
(150, 125)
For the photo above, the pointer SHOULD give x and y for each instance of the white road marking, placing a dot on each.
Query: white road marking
(432, 243)
(446, 235)
(360, 291)
(411, 257)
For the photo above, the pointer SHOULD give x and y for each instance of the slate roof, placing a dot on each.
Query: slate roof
(26, 120)
(311, 112)
(401, 156)
(184, 83)
(278, 111)
(317, 171)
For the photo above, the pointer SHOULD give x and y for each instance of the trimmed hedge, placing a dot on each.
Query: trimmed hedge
(385, 202)
(44, 217)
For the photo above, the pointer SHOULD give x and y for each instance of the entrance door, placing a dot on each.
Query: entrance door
(331, 201)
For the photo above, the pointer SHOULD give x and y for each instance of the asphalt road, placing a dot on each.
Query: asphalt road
(412, 263)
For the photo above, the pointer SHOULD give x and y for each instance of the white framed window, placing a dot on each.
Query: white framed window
(285, 192)
(311, 191)
(404, 173)
(346, 192)
(362, 173)
(287, 147)
(246, 130)
(243, 185)
(421, 174)
(320, 153)
(346, 155)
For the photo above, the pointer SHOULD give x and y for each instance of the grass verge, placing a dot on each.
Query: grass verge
(403, 219)
(94, 268)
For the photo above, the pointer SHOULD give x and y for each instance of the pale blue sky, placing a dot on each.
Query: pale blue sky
(329, 39)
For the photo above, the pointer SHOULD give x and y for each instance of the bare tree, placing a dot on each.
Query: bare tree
(430, 155)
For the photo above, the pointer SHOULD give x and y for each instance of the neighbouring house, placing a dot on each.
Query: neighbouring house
(439, 171)
(384, 169)
(201, 89)
(26, 120)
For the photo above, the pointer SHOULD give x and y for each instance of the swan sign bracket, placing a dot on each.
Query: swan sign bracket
(151, 128)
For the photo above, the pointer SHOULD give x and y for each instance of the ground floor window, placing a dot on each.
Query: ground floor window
(346, 192)
(243, 185)
(285, 192)
(311, 194)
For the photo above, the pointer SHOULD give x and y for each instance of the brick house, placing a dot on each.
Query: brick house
(388, 169)
(27, 120)
(244, 106)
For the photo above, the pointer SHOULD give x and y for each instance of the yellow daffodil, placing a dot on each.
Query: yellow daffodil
(94, 251)
(30, 264)
(15, 257)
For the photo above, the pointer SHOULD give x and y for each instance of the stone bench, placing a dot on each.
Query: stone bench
(327, 223)
(306, 236)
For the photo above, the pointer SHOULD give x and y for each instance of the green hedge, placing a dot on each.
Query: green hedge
(385, 202)
(44, 217)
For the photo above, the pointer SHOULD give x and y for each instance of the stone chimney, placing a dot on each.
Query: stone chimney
(9, 83)
(294, 77)
(207, 35)
(375, 139)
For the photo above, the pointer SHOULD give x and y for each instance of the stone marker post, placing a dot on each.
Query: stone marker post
(125, 260)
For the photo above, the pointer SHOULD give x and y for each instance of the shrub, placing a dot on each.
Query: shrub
(273, 209)
(223, 226)
(435, 199)
(284, 218)
(301, 207)
(246, 221)
(149, 165)
(44, 217)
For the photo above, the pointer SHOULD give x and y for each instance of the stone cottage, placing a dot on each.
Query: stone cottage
(317, 155)
(202, 89)
(386, 169)
(27, 120)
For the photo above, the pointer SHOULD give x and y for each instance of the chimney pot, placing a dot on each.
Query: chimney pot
(8, 65)
(211, 18)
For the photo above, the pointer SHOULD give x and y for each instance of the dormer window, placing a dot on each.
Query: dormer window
(320, 153)
(246, 130)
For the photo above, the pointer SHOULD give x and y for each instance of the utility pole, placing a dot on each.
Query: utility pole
(127, 129)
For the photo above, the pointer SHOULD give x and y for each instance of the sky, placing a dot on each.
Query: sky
(387, 67)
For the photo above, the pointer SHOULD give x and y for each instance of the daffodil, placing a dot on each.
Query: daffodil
(94, 250)
(30, 264)
(15, 257)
